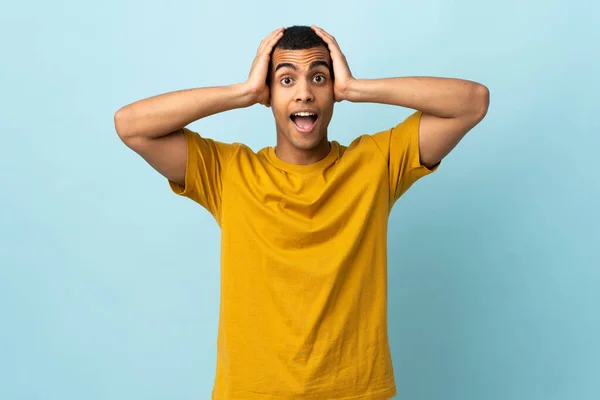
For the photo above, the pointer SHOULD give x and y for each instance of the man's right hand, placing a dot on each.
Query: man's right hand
(152, 127)
(257, 79)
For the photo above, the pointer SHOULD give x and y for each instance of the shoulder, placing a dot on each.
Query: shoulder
(207, 145)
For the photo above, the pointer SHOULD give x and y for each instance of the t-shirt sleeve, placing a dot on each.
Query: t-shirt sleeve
(400, 147)
(207, 161)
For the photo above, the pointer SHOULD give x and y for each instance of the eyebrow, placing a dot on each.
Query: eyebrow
(313, 65)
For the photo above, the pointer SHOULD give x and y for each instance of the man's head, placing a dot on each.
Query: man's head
(301, 80)
(298, 38)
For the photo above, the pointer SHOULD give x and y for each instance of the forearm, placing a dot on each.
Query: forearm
(442, 97)
(162, 114)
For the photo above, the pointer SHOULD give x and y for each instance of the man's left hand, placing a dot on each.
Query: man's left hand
(341, 71)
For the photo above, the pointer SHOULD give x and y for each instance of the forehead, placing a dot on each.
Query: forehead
(300, 58)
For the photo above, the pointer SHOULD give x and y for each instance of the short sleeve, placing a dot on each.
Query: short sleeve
(207, 161)
(400, 147)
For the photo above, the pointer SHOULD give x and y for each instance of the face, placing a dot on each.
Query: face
(301, 82)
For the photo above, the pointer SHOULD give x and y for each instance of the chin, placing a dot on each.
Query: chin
(305, 142)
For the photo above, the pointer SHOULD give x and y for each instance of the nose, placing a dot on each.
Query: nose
(304, 92)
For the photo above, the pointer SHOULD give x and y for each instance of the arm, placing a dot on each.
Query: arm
(158, 116)
(152, 127)
(451, 107)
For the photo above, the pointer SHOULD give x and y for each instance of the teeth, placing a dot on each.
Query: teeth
(303, 114)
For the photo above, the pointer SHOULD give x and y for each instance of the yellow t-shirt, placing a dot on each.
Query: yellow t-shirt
(303, 307)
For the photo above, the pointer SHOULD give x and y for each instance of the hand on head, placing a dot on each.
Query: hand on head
(257, 79)
(341, 70)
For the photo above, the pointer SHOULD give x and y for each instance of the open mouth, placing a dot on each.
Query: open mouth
(304, 121)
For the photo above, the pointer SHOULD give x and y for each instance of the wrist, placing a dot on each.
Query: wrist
(350, 91)
(248, 96)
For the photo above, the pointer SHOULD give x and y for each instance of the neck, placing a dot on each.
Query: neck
(287, 152)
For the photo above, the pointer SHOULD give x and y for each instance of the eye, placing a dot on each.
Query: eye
(319, 78)
(286, 81)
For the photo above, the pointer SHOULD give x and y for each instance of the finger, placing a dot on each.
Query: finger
(270, 40)
(321, 31)
(327, 38)
(262, 42)
(324, 34)
(267, 46)
(273, 42)
(272, 34)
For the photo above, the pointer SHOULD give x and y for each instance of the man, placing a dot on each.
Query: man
(304, 224)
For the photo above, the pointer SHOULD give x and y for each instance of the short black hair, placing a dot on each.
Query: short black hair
(298, 37)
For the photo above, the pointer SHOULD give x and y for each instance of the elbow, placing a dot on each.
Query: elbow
(121, 125)
(481, 100)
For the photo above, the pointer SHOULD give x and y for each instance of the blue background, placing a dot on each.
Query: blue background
(109, 283)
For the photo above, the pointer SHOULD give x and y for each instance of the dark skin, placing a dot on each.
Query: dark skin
(451, 107)
(301, 81)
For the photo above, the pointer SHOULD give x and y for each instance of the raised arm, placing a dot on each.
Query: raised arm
(451, 107)
(152, 127)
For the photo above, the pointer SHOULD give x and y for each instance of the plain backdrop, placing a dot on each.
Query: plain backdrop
(109, 283)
